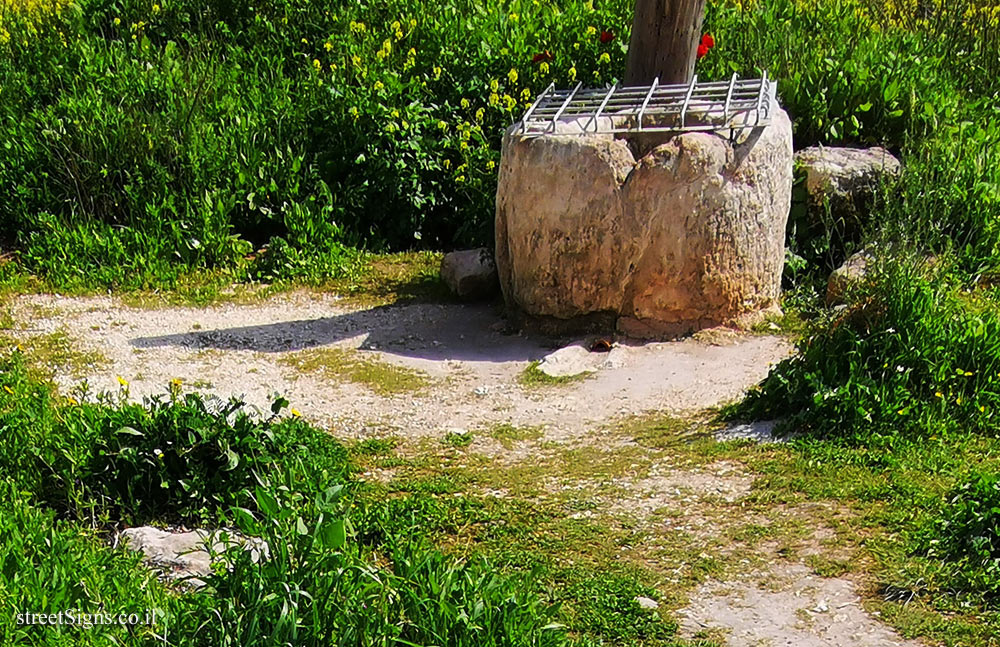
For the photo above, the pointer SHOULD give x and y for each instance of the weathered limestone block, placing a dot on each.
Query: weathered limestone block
(470, 273)
(845, 175)
(690, 236)
(846, 277)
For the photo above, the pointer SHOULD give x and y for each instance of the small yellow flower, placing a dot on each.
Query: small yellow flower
(437, 72)
(490, 165)
(354, 113)
(295, 413)
(305, 41)
(513, 17)
(328, 46)
(460, 179)
(604, 58)
(512, 76)
(446, 163)
(480, 114)
(494, 99)
(122, 381)
(464, 103)
(443, 125)
(494, 85)
(379, 86)
(72, 400)
(156, 8)
(591, 31)
(316, 64)
(572, 74)
(118, 21)
(938, 394)
(8, 390)
(543, 68)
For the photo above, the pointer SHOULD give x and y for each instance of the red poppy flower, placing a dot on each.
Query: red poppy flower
(544, 56)
(702, 50)
(708, 41)
(607, 36)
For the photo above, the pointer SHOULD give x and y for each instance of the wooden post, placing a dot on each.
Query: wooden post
(665, 37)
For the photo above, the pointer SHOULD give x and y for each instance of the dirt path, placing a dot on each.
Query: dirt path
(472, 364)
(470, 369)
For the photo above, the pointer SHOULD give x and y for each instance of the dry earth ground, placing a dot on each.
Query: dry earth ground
(431, 375)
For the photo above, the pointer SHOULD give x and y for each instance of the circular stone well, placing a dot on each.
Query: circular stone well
(690, 235)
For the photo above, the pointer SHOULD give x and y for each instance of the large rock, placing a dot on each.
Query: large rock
(689, 236)
(470, 274)
(184, 556)
(845, 175)
(847, 277)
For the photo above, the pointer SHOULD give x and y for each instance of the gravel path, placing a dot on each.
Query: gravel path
(473, 364)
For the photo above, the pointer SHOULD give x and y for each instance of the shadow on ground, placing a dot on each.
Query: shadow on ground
(440, 332)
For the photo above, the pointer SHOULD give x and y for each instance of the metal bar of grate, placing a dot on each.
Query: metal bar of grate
(645, 102)
(597, 115)
(541, 97)
(719, 105)
(729, 98)
(687, 99)
(559, 112)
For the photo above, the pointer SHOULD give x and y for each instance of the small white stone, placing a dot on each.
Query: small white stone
(647, 603)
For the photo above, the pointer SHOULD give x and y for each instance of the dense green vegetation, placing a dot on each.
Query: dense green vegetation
(146, 143)
(148, 140)
(344, 565)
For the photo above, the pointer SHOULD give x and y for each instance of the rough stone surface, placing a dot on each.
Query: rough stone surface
(470, 274)
(577, 359)
(183, 555)
(689, 236)
(848, 275)
(845, 174)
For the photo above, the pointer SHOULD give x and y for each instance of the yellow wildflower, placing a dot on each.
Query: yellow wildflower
(591, 31)
(122, 381)
(604, 58)
(316, 64)
(543, 68)
(490, 165)
(494, 86)
(295, 413)
(480, 114)
(378, 86)
(464, 103)
(572, 74)
(512, 76)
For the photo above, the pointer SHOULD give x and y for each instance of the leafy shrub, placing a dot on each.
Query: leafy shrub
(967, 535)
(910, 355)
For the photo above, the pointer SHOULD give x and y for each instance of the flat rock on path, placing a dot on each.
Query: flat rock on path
(473, 367)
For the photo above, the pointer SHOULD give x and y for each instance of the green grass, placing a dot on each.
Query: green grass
(510, 435)
(338, 364)
(533, 377)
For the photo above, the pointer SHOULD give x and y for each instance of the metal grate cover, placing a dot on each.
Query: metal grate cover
(734, 104)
